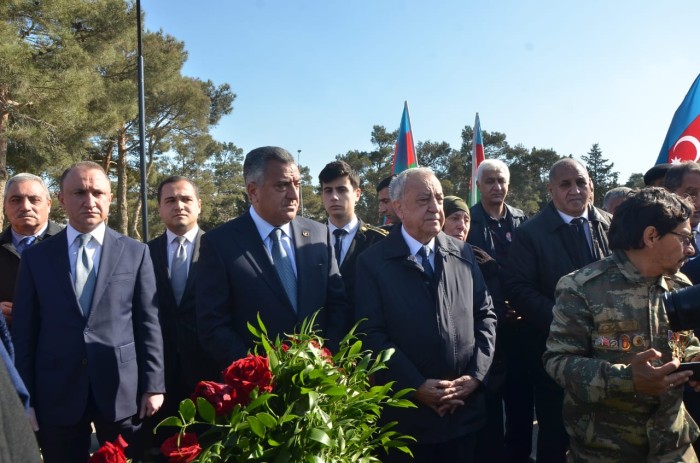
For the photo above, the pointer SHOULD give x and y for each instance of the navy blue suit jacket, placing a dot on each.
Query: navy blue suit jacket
(236, 281)
(116, 352)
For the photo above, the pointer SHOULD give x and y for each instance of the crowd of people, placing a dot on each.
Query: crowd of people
(496, 319)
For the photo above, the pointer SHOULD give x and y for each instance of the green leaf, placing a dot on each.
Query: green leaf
(256, 426)
(313, 399)
(267, 419)
(170, 421)
(187, 410)
(320, 436)
(254, 331)
(335, 391)
(206, 410)
(355, 349)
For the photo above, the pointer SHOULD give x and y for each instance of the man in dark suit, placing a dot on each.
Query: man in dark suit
(566, 235)
(340, 191)
(684, 180)
(387, 215)
(27, 206)
(175, 256)
(492, 225)
(87, 340)
(423, 295)
(269, 262)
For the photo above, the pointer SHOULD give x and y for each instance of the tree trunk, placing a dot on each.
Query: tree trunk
(4, 119)
(122, 225)
(136, 216)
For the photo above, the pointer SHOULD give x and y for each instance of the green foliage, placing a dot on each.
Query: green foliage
(601, 172)
(321, 408)
(636, 180)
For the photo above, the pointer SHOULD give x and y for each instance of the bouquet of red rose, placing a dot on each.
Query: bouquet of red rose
(298, 402)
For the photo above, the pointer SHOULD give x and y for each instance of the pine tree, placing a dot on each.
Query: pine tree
(601, 172)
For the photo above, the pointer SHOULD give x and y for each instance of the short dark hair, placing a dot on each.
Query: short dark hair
(655, 173)
(175, 179)
(676, 173)
(337, 169)
(651, 206)
(86, 165)
(385, 183)
(256, 161)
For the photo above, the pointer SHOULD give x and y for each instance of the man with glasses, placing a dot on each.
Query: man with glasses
(684, 180)
(610, 344)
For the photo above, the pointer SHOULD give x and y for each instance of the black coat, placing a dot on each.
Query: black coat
(442, 332)
(543, 250)
(9, 260)
(480, 236)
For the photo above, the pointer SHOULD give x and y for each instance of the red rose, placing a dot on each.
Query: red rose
(185, 452)
(326, 354)
(246, 374)
(221, 396)
(110, 452)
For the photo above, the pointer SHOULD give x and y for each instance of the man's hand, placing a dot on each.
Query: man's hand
(6, 311)
(150, 404)
(652, 380)
(445, 396)
(461, 388)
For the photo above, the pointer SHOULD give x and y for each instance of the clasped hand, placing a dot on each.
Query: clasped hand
(443, 395)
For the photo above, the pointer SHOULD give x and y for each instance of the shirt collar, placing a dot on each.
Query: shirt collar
(98, 233)
(17, 237)
(189, 236)
(414, 245)
(349, 227)
(568, 218)
(264, 228)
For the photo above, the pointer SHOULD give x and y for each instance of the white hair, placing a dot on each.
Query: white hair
(490, 165)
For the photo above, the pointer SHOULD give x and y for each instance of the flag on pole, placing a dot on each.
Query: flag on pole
(405, 152)
(477, 158)
(682, 140)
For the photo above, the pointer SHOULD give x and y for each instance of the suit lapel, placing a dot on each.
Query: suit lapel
(357, 241)
(304, 264)
(112, 248)
(248, 238)
(57, 253)
(192, 272)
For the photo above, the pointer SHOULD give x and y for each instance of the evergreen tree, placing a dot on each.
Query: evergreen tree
(601, 172)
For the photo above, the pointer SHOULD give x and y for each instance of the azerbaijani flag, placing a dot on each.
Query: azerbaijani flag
(405, 152)
(681, 143)
(477, 158)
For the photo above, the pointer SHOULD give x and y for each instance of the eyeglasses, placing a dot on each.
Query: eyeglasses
(687, 239)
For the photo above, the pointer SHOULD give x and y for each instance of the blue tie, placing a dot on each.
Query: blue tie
(424, 252)
(178, 269)
(85, 277)
(25, 243)
(283, 266)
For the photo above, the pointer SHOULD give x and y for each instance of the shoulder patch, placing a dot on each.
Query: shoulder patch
(593, 270)
(371, 228)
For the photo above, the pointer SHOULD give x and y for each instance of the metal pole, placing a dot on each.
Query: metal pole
(301, 184)
(142, 129)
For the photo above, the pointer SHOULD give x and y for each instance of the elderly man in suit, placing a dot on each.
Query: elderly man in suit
(567, 234)
(27, 206)
(422, 294)
(87, 339)
(340, 191)
(269, 262)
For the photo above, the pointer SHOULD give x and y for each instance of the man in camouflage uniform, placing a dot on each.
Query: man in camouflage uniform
(609, 341)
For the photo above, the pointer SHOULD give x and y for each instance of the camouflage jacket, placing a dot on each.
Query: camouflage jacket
(606, 313)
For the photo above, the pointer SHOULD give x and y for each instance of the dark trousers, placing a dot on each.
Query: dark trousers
(552, 438)
(71, 444)
(518, 390)
(490, 441)
(460, 450)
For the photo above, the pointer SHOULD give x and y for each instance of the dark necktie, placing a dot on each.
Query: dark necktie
(85, 277)
(579, 225)
(424, 252)
(338, 245)
(283, 266)
(25, 243)
(178, 269)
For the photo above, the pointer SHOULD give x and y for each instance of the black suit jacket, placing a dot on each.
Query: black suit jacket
(542, 252)
(440, 332)
(9, 260)
(185, 360)
(366, 236)
(237, 281)
(116, 353)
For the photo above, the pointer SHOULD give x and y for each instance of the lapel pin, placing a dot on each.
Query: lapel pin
(305, 233)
